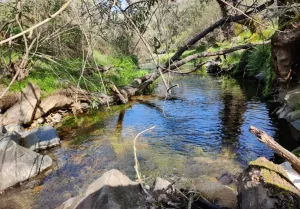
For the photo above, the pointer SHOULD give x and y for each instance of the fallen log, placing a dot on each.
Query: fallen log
(271, 143)
(219, 23)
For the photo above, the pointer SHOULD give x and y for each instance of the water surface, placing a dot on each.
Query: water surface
(203, 132)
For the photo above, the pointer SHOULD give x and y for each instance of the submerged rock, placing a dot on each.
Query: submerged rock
(266, 185)
(42, 138)
(113, 190)
(18, 164)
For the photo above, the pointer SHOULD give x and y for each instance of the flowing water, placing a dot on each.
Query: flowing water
(203, 132)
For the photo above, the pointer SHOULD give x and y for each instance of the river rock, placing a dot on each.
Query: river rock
(266, 185)
(56, 118)
(295, 129)
(292, 116)
(85, 106)
(14, 136)
(14, 127)
(283, 112)
(23, 111)
(292, 98)
(113, 190)
(41, 138)
(52, 103)
(292, 174)
(261, 76)
(18, 163)
(161, 184)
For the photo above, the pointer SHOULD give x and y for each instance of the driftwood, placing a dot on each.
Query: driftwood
(270, 142)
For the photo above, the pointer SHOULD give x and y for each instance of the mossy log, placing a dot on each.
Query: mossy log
(266, 185)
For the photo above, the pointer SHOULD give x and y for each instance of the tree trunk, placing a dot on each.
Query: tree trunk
(285, 54)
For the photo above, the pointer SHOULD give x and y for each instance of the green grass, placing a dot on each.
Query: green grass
(50, 76)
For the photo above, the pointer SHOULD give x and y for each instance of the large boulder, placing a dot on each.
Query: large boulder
(52, 103)
(41, 138)
(266, 185)
(18, 164)
(8, 100)
(24, 110)
(113, 190)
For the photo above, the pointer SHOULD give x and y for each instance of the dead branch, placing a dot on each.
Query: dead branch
(63, 7)
(271, 143)
(209, 54)
(189, 72)
(211, 28)
(136, 166)
(20, 68)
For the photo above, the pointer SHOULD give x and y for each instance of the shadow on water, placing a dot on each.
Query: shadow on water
(204, 134)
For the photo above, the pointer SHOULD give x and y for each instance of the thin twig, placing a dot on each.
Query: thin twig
(136, 167)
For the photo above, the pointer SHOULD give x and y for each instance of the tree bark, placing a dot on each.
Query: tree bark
(285, 54)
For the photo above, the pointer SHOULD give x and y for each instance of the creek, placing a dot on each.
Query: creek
(204, 132)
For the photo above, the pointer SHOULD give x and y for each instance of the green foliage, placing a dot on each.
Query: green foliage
(41, 76)
(51, 76)
(187, 53)
(298, 108)
(125, 70)
(232, 59)
(259, 59)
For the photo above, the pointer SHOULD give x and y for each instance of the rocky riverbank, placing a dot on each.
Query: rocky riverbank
(34, 140)
(262, 185)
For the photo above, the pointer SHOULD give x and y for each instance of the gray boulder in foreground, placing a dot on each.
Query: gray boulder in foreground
(113, 190)
(18, 164)
(41, 138)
